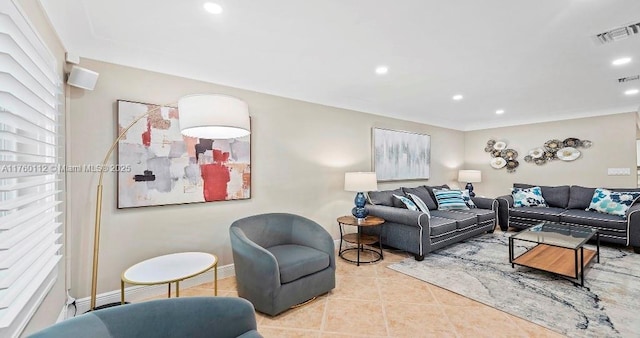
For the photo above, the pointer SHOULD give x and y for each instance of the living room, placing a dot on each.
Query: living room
(300, 153)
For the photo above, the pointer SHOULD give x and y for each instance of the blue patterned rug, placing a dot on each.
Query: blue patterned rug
(607, 306)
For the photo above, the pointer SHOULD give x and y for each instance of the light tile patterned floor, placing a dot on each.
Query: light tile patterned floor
(374, 301)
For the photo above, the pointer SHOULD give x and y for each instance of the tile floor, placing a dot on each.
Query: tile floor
(374, 301)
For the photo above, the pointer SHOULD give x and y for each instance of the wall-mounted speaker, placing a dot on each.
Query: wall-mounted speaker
(82, 78)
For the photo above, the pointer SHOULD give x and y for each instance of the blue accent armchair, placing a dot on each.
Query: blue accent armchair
(223, 317)
(281, 260)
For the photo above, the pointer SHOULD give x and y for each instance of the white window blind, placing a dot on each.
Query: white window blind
(30, 195)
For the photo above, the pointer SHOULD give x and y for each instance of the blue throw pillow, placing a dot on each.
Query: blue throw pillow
(420, 203)
(409, 203)
(528, 197)
(450, 200)
(467, 199)
(613, 203)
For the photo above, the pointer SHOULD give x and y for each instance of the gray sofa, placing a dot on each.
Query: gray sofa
(567, 204)
(419, 234)
(223, 317)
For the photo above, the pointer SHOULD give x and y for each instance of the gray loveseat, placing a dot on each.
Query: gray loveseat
(567, 204)
(419, 234)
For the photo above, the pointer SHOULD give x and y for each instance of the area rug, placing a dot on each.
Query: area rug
(607, 306)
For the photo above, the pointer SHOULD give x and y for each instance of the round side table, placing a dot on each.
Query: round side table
(360, 239)
(172, 268)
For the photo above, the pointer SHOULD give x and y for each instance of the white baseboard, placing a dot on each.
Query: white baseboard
(141, 292)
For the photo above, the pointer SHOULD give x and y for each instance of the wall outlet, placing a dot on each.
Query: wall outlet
(618, 171)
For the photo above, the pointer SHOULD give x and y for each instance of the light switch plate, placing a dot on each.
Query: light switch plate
(618, 171)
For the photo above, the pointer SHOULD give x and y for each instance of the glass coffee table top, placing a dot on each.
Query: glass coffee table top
(561, 235)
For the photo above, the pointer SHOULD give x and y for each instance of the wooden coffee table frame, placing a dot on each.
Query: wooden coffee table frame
(555, 258)
(360, 239)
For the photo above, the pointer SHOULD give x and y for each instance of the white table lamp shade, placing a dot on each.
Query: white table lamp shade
(213, 116)
(469, 176)
(360, 181)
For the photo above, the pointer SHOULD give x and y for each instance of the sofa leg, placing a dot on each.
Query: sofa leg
(636, 249)
(490, 231)
(419, 258)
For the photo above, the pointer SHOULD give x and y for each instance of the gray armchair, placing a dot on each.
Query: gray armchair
(223, 317)
(281, 260)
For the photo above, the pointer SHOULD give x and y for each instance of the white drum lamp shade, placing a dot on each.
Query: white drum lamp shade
(213, 116)
(360, 181)
(469, 176)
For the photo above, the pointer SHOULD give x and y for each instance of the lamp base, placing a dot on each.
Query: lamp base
(359, 212)
(469, 187)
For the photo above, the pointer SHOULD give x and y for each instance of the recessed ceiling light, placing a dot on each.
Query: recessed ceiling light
(212, 8)
(631, 92)
(457, 97)
(621, 61)
(500, 111)
(381, 70)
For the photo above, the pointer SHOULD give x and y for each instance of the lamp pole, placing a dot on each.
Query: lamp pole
(96, 229)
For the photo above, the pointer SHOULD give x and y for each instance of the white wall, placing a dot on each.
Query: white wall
(300, 152)
(614, 146)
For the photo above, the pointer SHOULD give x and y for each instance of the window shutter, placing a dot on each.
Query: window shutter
(31, 140)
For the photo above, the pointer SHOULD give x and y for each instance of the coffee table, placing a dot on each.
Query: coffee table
(360, 239)
(559, 249)
(172, 268)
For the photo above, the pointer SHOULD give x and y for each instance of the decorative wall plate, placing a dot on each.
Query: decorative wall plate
(498, 162)
(536, 153)
(586, 144)
(553, 145)
(499, 145)
(509, 154)
(572, 142)
(568, 153)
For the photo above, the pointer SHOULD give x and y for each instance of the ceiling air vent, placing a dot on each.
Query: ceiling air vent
(618, 34)
(628, 78)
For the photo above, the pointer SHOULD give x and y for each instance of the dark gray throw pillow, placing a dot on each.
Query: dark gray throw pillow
(424, 195)
(385, 197)
(580, 197)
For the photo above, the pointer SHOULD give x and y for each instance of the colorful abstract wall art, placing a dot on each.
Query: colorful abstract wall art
(165, 167)
(401, 155)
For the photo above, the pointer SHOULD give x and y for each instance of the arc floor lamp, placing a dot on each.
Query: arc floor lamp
(209, 116)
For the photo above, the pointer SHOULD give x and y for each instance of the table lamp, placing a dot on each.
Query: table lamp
(210, 116)
(469, 176)
(360, 182)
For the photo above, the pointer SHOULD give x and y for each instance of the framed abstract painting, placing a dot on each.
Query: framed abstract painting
(401, 155)
(164, 167)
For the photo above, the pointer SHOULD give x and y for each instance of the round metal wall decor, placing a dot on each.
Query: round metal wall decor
(502, 156)
(552, 150)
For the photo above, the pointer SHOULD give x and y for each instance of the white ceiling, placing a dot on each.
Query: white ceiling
(535, 59)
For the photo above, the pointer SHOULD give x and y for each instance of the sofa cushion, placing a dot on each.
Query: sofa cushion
(554, 196)
(593, 219)
(385, 197)
(536, 214)
(296, 261)
(424, 195)
(528, 197)
(439, 226)
(408, 203)
(450, 199)
(483, 215)
(613, 203)
(463, 220)
(580, 197)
